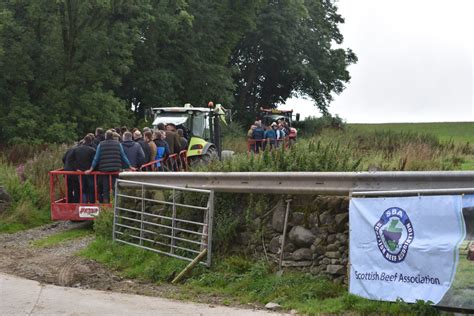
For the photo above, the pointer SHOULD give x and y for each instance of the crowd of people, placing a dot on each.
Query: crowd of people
(113, 150)
(261, 135)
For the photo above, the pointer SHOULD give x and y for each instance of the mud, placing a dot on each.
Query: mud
(59, 265)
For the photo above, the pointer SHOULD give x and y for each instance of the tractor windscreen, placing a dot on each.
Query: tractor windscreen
(195, 123)
(200, 125)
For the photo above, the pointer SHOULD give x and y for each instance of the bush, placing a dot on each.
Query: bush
(315, 125)
(304, 156)
(103, 224)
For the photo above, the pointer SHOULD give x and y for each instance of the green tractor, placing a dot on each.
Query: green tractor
(201, 127)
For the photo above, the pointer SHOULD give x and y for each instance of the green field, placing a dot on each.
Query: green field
(458, 132)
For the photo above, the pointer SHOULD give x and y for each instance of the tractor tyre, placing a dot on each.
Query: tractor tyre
(210, 155)
(205, 159)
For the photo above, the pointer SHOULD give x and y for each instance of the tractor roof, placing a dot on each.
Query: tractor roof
(180, 109)
(276, 111)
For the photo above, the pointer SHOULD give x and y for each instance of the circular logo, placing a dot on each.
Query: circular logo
(394, 233)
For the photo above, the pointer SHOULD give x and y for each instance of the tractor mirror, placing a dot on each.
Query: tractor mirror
(297, 117)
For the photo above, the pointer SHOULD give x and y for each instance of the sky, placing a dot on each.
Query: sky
(415, 62)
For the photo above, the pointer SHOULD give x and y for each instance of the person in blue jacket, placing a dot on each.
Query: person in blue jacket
(133, 150)
(258, 135)
(162, 147)
(270, 136)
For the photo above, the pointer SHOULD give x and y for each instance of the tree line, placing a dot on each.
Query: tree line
(68, 66)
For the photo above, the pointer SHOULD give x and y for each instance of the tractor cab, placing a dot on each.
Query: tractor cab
(201, 127)
(193, 121)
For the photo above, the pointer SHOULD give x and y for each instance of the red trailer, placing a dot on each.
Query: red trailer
(68, 199)
(77, 196)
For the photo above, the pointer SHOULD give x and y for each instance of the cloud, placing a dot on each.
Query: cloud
(415, 61)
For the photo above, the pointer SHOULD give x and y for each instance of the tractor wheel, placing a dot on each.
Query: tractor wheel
(210, 155)
(204, 160)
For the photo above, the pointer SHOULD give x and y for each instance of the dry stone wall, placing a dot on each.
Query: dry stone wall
(316, 240)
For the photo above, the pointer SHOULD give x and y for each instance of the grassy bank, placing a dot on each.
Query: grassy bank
(458, 132)
(352, 150)
(28, 187)
(238, 280)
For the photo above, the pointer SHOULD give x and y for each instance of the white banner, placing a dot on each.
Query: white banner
(405, 247)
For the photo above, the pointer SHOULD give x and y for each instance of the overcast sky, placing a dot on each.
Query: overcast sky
(415, 62)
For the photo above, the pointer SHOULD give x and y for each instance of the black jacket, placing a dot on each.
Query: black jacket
(68, 161)
(82, 156)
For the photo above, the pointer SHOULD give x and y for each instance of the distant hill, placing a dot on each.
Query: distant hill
(458, 132)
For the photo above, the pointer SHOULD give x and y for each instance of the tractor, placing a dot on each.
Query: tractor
(201, 127)
(273, 115)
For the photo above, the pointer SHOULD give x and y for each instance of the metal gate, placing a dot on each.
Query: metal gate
(169, 220)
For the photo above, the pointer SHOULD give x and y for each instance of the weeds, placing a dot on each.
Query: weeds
(29, 190)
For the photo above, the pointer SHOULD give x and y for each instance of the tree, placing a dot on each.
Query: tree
(185, 52)
(291, 52)
(61, 63)
(68, 66)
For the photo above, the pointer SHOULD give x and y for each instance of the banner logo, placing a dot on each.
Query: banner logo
(394, 233)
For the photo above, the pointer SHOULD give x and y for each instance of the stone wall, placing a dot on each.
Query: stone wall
(316, 240)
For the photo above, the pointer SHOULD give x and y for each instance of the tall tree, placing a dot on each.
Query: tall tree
(291, 52)
(185, 52)
(61, 63)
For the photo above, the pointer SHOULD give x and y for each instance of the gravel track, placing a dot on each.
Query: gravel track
(59, 265)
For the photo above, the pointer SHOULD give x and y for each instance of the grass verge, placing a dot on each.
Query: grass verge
(133, 262)
(28, 208)
(239, 280)
(63, 237)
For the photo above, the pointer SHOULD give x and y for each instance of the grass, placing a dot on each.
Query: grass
(458, 132)
(461, 293)
(62, 237)
(239, 280)
(30, 192)
(28, 207)
(133, 262)
(351, 150)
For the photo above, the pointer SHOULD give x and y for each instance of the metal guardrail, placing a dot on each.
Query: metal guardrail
(327, 183)
(163, 224)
